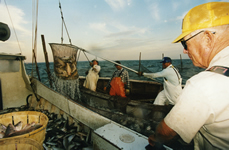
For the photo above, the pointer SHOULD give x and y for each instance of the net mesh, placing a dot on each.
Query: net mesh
(65, 76)
(64, 57)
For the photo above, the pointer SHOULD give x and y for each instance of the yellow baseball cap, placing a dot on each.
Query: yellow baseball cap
(204, 16)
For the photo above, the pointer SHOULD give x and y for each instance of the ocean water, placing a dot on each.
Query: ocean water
(185, 67)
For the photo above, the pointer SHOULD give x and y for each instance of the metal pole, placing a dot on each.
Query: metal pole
(113, 62)
(108, 60)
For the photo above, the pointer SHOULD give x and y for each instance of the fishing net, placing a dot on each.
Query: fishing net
(65, 76)
(69, 88)
(64, 57)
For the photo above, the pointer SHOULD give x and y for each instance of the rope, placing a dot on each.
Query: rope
(78, 57)
(34, 39)
(86, 56)
(63, 22)
(13, 27)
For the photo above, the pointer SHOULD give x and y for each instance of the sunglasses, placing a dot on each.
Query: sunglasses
(183, 42)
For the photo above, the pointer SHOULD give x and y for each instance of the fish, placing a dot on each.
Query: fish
(51, 143)
(59, 70)
(26, 130)
(46, 147)
(68, 69)
(81, 135)
(2, 134)
(71, 137)
(73, 67)
(9, 130)
(75, 74)
(28, 125)
(18, 126)
(60, 62)
(65, 142)
(71, 146)
(2, 128)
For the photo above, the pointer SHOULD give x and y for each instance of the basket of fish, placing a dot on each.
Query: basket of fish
(20, 144)
(64, 56)
(23, 124)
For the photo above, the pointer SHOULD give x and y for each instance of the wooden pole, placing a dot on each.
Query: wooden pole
(46, 60)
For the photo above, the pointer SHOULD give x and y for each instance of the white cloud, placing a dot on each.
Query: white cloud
(116, 30)
(99, 26)
(117, 5)
(16, 16)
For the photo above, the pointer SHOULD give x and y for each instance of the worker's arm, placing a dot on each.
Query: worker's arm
(163, 134)
(96, 68)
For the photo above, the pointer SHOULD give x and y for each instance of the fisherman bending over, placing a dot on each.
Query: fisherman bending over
(92, 76)
(119, 84)
(201, 112)
(172, 83)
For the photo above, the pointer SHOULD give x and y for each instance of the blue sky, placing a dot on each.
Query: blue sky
(112, 29)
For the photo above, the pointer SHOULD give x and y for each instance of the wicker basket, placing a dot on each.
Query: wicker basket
(20, 144)
(26, 117)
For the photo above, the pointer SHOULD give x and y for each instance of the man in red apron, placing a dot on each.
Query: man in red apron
(119, 83)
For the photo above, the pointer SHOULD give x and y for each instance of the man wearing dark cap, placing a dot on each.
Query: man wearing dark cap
(172, 82)
(119, 84)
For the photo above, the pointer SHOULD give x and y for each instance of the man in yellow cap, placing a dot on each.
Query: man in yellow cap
(202, 110)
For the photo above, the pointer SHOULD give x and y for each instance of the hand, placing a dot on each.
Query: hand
(127, 91)
(139, 73)
(91, 64)
(152, 140)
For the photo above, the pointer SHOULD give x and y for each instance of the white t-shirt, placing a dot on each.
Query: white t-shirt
(204, 105)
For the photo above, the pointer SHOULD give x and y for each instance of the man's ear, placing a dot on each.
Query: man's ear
(209, 38)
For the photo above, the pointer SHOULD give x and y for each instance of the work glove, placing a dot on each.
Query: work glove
(139, 73)
(127, 91)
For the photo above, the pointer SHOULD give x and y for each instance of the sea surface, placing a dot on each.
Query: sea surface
(185, 67)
